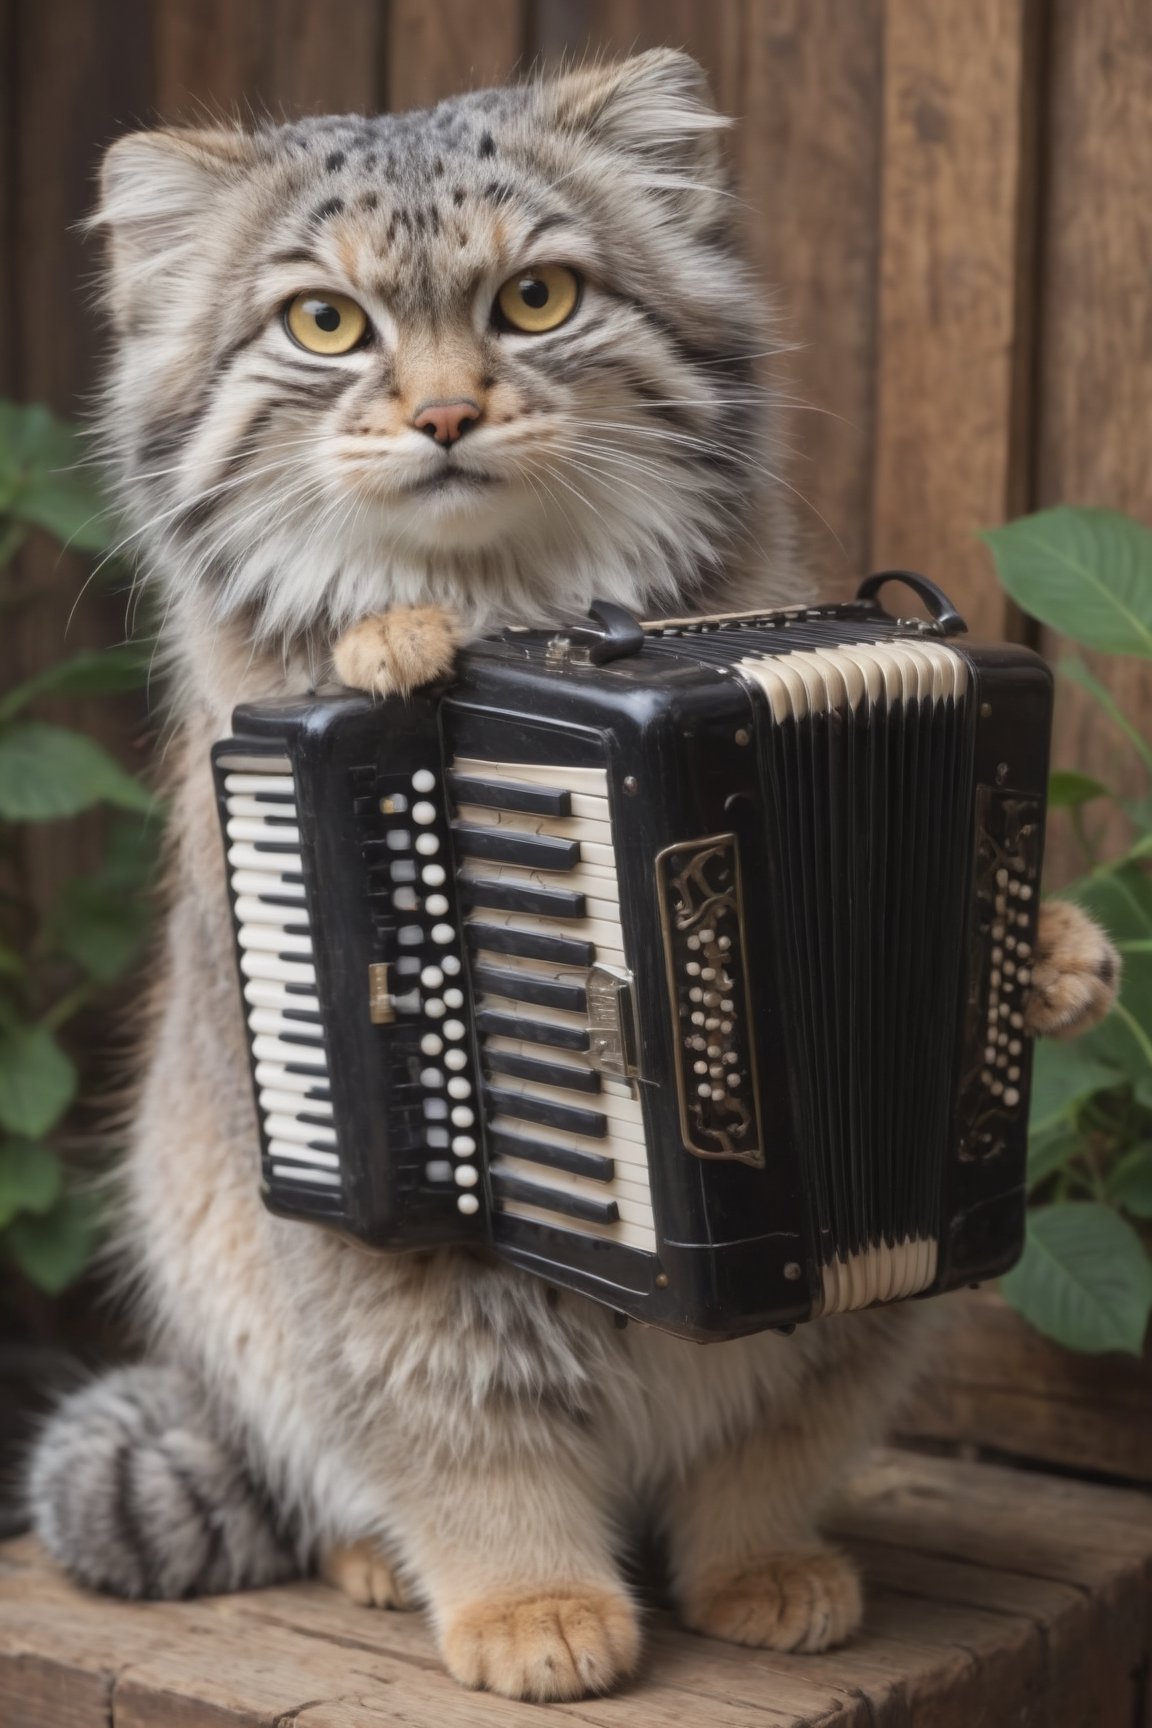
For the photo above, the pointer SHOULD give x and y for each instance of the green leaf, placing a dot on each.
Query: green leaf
(98, 926)
(1067, 789)
(1087, 573)
(42, 483)
(11, 965)
(31, 1178)
(37, 1081)
(1051, 1148)
(1062, 1075)
(1076, 672)
(1142, 1092)
(1084, 1280)
(54, 1249)
(106, 673)
(1130, 1182)
(47, 771)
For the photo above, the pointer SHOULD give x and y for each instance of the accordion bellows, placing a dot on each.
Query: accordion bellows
(683, 965)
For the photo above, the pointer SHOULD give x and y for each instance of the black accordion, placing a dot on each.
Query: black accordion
(682, 964)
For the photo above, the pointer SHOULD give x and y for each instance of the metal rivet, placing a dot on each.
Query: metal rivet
(985, 714)
(1001, 773)
(631, 785)
(743, 736)
(661, 1280)
(792, 1271)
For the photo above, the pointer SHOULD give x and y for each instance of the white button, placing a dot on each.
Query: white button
(439, 1171)
(458, 1087)
(468, 1204)
(423, 813)
(453, 1028)
(436, 905)
(430, 1045)
(404, 899)
(456, 1059)
(454, 998)
(423, 780)
(467, 1175)
(462, 1116)
(433, 874)
(432, 977)
(463, 1145)
(427, 844)
(431, 1077)
(434, 1008)
(443, 933)
(450, 964)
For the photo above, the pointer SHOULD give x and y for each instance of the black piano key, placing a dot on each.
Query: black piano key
(275, 845)
(271, 797)
(530, 944)
(505, 846)
(304, 1068)
(296, 957)
(290, 901)
(310, 1015)
(279, 821)
(567, 1118)
(287, 1037)
(519, 897)
(502, 1025)
(511, 795)
(554, 1200)
(547, 1073)
(530, 987)
(313, 1118)
(594, 1165)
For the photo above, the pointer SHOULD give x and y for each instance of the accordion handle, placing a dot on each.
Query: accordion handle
(946, 621)
(612, 634)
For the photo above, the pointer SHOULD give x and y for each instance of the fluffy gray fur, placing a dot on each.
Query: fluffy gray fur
(492, 1447)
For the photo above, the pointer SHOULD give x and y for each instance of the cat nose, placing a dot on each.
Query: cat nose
(446, 421)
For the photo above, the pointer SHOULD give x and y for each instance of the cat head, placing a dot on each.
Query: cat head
(496, 354)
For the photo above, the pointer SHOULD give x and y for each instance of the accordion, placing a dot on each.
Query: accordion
(681, 963)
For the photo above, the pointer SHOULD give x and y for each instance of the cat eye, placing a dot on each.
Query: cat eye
(325, 323)
(538, 300)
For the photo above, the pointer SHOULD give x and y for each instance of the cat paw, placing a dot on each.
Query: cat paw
(561, 1643)
(364, 1573)
(803, 1601)
(394, 652)
(1075, 976)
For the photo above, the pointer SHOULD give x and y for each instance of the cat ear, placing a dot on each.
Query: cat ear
(656, 109)
(156, 188)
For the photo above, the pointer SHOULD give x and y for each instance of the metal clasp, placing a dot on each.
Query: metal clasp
(612, 1041)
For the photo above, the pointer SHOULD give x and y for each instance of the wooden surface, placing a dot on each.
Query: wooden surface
(995, 1383)
(998, 1600)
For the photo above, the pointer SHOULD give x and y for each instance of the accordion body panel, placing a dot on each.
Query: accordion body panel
(692, 980)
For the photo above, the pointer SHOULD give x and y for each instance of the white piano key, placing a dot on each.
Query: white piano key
(268, 1049)
(303, 1154)
(299, 1133)
(270, 781)
(262, 809)
(631, 1196)
(260, 965)
(259, 882)
(280, 1026)
(262, 993)
(244, 856)
(623, 1114)
(632, 1153)
(267, 939)
(591, 781)
(597, 883)
(277, 1077)
(250, 909)
(523, 822)
(628, 1234)
(305, 1173)
(292, 1104)
(243, 828)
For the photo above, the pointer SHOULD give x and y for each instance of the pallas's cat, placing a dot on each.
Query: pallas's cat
(378, 384)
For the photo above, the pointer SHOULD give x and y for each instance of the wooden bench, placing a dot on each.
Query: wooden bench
(999, 1599)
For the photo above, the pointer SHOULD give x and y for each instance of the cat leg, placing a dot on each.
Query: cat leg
(363, 1571)
(394, 652)
(514, 1556)
(1075, 975)
(747, 1562)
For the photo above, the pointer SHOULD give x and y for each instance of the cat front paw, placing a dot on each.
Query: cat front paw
(1075, 976)
(808, 1601)
(562, 1642)
(366, 1575)
(392, 653)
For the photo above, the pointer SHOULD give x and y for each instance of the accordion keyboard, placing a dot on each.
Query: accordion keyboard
(279, 978)
(537, 878)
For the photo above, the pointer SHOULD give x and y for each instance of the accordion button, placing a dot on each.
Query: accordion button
(434, 1008)
(431, 1077)
(467, 1175)
(424, 813)
(462, 1117)
(436, 905)
(432, 977)
(433, 875)
(430, 1045)
(423, 780)
(458, 1087)
(454, 998)
(468, 1204)
(438, 1171)
(427, 844)
(450, 964)
(463, 1145)
(456, 1059)
(443, 934)
(453, 1028)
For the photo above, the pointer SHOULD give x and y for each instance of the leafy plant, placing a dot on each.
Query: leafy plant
(1085, 1278)
(55, 961)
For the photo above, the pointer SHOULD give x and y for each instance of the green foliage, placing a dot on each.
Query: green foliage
(1085, 1277)
(55, 963)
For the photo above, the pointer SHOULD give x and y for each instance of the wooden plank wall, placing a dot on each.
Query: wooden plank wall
(950, 202)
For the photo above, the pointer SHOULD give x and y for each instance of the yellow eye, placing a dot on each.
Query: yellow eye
(540, 299)
(325, 323)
